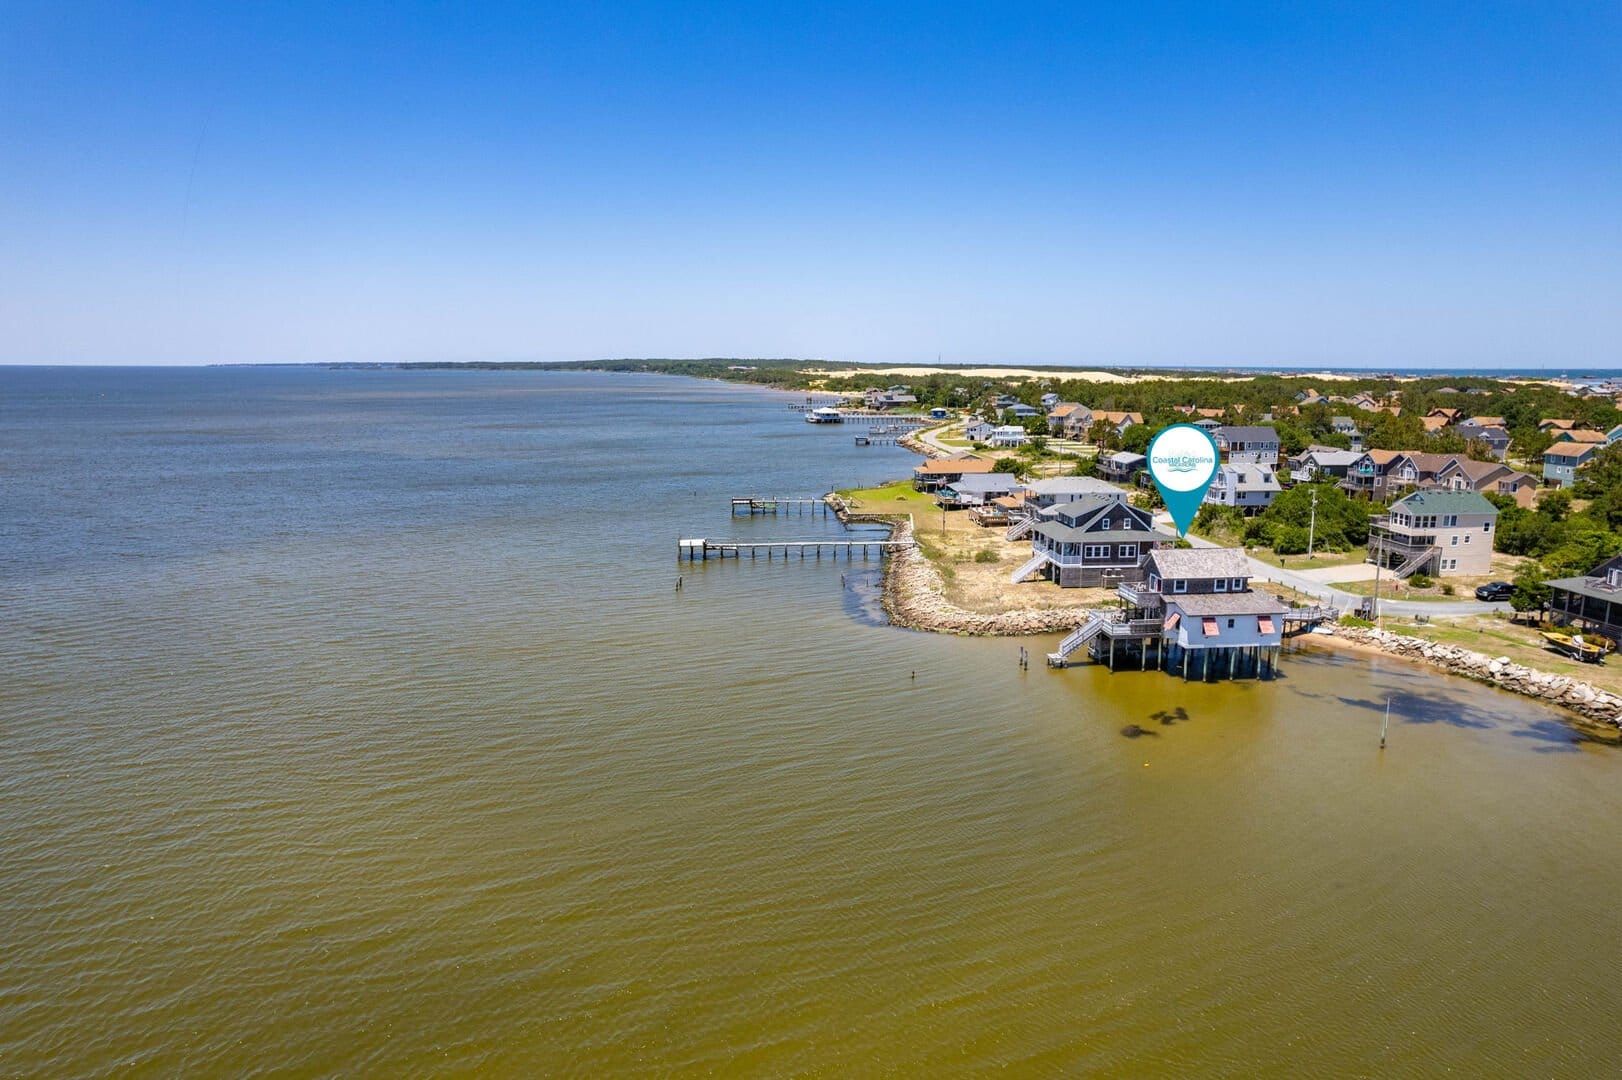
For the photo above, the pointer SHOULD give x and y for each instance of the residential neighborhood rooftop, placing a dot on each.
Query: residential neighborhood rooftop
(1202, 563)
(1446, 502)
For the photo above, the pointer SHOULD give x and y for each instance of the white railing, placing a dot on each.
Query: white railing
(1074, 640)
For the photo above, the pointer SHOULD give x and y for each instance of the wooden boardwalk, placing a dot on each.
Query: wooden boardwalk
(763, 504)
(1297, 620)
(701, 550)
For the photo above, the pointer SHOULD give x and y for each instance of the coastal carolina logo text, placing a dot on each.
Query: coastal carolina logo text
(1183, 463)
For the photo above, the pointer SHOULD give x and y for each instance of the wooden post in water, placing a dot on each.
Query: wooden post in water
(1385, 723)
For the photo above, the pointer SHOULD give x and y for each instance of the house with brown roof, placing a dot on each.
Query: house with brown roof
(1461, 473)
(1068, 417)
(1556, 424)
(1369, 475)
(943, 472)
(1578, 435)
(1562, 460)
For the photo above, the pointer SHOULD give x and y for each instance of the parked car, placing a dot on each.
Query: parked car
(1495, 590)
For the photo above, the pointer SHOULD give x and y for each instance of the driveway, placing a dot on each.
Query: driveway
(1303, 582)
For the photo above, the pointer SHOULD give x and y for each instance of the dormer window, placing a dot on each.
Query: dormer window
(1104, 525)
(1179, 585)
(1221, 584)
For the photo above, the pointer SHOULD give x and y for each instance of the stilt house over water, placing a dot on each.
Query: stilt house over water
(1193, 614)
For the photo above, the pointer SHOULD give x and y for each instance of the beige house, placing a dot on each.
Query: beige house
(1440, 533)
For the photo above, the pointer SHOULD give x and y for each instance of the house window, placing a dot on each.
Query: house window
(1486, 527)
(1096, 551)
(1104, 525)
(1450, 521)
(1238, 584)
(1454, 541)
(1230, 624)
(1154, 582)
(1466, 538)
(1180, 585)
(1221, 584)
(1127, 551)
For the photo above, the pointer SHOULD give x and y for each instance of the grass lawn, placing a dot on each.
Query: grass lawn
(1501, 637)
(1504, 568)
(975, 562)
(1353, 557)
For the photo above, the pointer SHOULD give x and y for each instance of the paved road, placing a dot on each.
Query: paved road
(1347, 601)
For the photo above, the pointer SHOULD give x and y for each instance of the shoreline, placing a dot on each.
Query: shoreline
(1598, 712)
(913, 597)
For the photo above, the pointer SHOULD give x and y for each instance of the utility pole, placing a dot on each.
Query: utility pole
(1379, 560)
(1312, 525)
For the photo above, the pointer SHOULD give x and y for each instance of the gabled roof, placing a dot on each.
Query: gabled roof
(1247, 478)
(1066, 485)
(980, 483)
(1479, 472)
(1229, 603)
(1486, 421)
(1247, 434)
(1569, 451)
(1064, 409)
(1329, 456)
(1445, 502)
(954, 466)
(1552, 422)
(1201, 563)
(1117, 417)
(1082, 508)
(1573, 435)
(1434, 422)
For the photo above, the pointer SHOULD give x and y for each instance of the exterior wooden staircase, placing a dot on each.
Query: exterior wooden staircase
(1074, 640)
(1035, 562)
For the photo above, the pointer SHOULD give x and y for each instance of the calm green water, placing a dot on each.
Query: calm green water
(350, 723)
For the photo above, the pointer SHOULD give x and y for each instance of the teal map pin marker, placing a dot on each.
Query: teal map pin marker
(1182, 463)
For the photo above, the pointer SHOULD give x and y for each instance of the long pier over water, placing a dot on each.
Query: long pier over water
(700, 550)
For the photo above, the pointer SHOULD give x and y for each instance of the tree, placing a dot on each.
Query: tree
(1136, 438)
(1602, 474)
(1290, 540)
(1530, 593)
(1555, 505)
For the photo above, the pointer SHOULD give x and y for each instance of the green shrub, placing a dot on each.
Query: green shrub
(1353, 620)
(1448, 589)
(988, 555)
(1289, 540)
(1421, 581)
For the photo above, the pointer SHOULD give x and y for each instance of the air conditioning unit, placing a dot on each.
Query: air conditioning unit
(1613, 578)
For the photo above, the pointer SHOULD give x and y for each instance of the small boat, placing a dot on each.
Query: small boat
(1591, 649)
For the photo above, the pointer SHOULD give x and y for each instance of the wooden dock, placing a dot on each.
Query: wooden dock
(762, 504)
(878, 440)
(701, 550)
(1297, 620)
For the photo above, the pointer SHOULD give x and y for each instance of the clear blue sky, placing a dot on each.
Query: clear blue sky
(1292, 183)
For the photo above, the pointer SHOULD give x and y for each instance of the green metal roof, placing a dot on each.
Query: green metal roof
(1445, 502)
